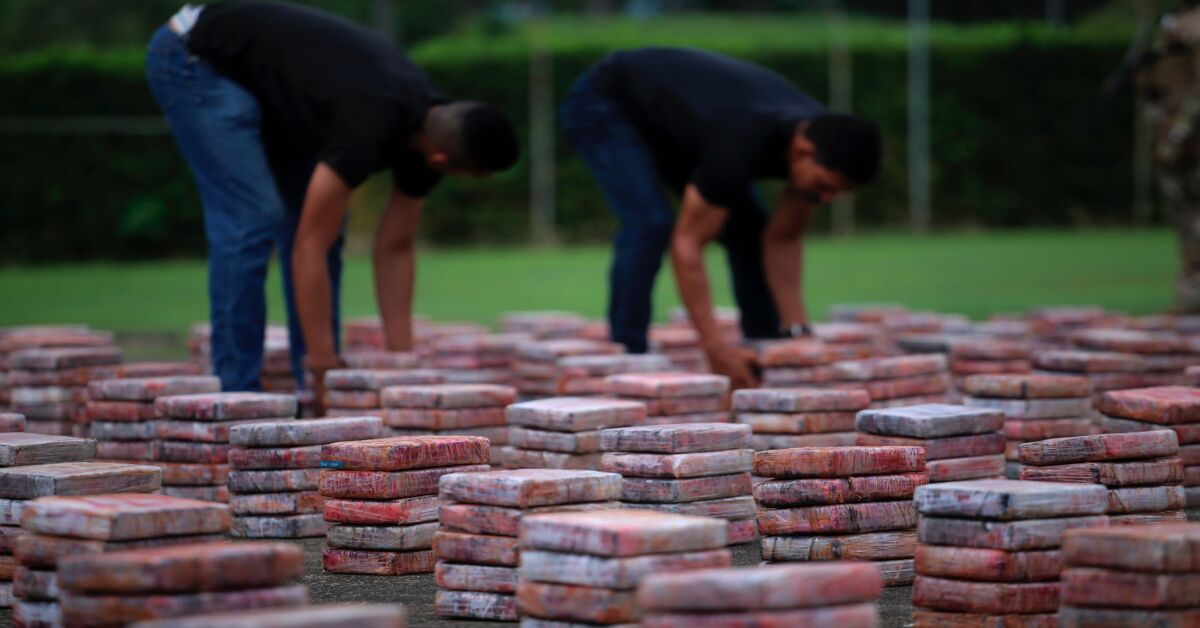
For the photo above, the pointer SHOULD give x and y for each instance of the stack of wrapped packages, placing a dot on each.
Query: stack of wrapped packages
(356, 391)
(699, 469)
(675, 397)
(1131, 576)
(382, 496)
(120, 588)
(960, 443)
(1141, 470)
(476, 358)
(543, 325)
(194, 430)
(23, 449)
(774, 595)
(1165, 355)
(49, 386)
(783, 418)
(1035, 407)
(1104, 371)
(448, 410)
(480, 514)
(585, 567)
(564, 432)
(121, 417)
(841, 503)
(896, 381)
(988, 357)
(287, 446)
(56, 528)
(1174, 408)
(989, 550)
(536, 363)
(585, 375)
(796, 363)
(851, 341)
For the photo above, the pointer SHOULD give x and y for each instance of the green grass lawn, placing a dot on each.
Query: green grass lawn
(973, 274)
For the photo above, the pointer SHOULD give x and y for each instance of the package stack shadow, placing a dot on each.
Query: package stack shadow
(1131, 576)
(896, 381)
(536, 363)
(960, 443)
(448, 410)
(476, 359)
(584, 375)
(382, 497)
(796, 363)
(773, 595)
(1035, 407)
(698, 469)
(841, 503)
(675, 397)
(120, 588)
(480, 513)
(1175, 408)
(988, 357)
(120, 416)
(194, 430)
(1165, 355)
(989, 550)
(356, 392)
(585, 567)
(23, 449)
(782, 418)
(21, 484)
(56, 528)
(283, 447)
(564, 432)
(49, 386)
(1141, 470)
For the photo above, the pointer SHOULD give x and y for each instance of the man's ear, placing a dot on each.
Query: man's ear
(802, 146)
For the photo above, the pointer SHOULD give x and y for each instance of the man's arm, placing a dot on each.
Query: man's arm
(395, 268)
(783, 256)
(698, 224)
(320, 223)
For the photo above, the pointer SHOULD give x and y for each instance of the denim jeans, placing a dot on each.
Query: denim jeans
(251, 205)
(624, 168)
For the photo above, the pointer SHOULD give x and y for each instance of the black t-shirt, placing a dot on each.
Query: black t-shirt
(709, 119)
(330, 90)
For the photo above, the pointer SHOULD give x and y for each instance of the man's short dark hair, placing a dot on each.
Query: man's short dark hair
(849, 145)
(488, 139)
(475, 135)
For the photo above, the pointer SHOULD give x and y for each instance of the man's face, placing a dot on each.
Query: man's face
(816, 182)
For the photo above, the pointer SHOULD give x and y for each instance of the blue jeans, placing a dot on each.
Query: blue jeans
(624, 168)
(251, 205)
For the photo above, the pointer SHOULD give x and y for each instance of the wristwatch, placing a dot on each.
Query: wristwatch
(798, 330)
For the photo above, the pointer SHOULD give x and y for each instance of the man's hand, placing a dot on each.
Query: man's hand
(734, 363)
(317, 366)
(320, 223)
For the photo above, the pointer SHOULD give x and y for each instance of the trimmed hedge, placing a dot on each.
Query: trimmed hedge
(1010, 148)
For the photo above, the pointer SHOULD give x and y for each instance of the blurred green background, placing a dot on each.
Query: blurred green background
(1033, 201)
